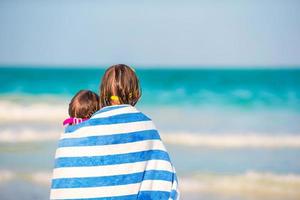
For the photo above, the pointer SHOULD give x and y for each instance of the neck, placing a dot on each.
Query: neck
(115, 103)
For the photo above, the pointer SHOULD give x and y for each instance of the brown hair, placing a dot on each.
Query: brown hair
(121, 81)
(84, 104)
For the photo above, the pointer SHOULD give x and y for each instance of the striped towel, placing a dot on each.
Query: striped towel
(115, 155)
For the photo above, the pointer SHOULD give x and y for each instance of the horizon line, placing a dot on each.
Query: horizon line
(193, 67)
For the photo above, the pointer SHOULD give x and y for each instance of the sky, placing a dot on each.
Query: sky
(150, 33)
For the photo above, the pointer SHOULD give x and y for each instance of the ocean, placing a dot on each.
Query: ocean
(232, 133)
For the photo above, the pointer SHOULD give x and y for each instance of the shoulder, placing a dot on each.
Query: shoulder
(111, 115)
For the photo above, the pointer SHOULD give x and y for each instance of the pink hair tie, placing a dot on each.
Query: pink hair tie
(73, 120)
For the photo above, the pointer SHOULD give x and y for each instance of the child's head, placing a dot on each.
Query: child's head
(119, 85)
(84, 104)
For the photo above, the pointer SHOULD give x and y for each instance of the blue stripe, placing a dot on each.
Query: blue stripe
(110, 139)
(174, 194)
(112, 180)
(175, 177)
(125, 197)
(157, 195)
(144, 195)
(109, 108)
(116, 119)
(111, 159)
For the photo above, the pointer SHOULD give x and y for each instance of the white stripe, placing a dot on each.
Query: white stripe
(110, 129)
(109, 149)
(110, 191)
(118, 111)
(175, 185)
(156, 185)
(111, 170)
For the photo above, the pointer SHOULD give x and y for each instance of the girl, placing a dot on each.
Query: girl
(82, 106)
(117, 153)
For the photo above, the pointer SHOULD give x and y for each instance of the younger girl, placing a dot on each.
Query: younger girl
(82, 106)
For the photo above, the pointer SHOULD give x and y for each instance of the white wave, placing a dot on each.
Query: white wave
(251, 184)
(38, 111)
(255, 140)
(254, 185)
(233, 140)
(42, 178)
(6, 175)
(28, 135)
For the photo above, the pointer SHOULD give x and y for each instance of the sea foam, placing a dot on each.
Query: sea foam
(6, 175)
(255, 185)
(230, 140)
(36, 112)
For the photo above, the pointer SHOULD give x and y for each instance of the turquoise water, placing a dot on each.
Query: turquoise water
(235, 87)
(223, 127)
